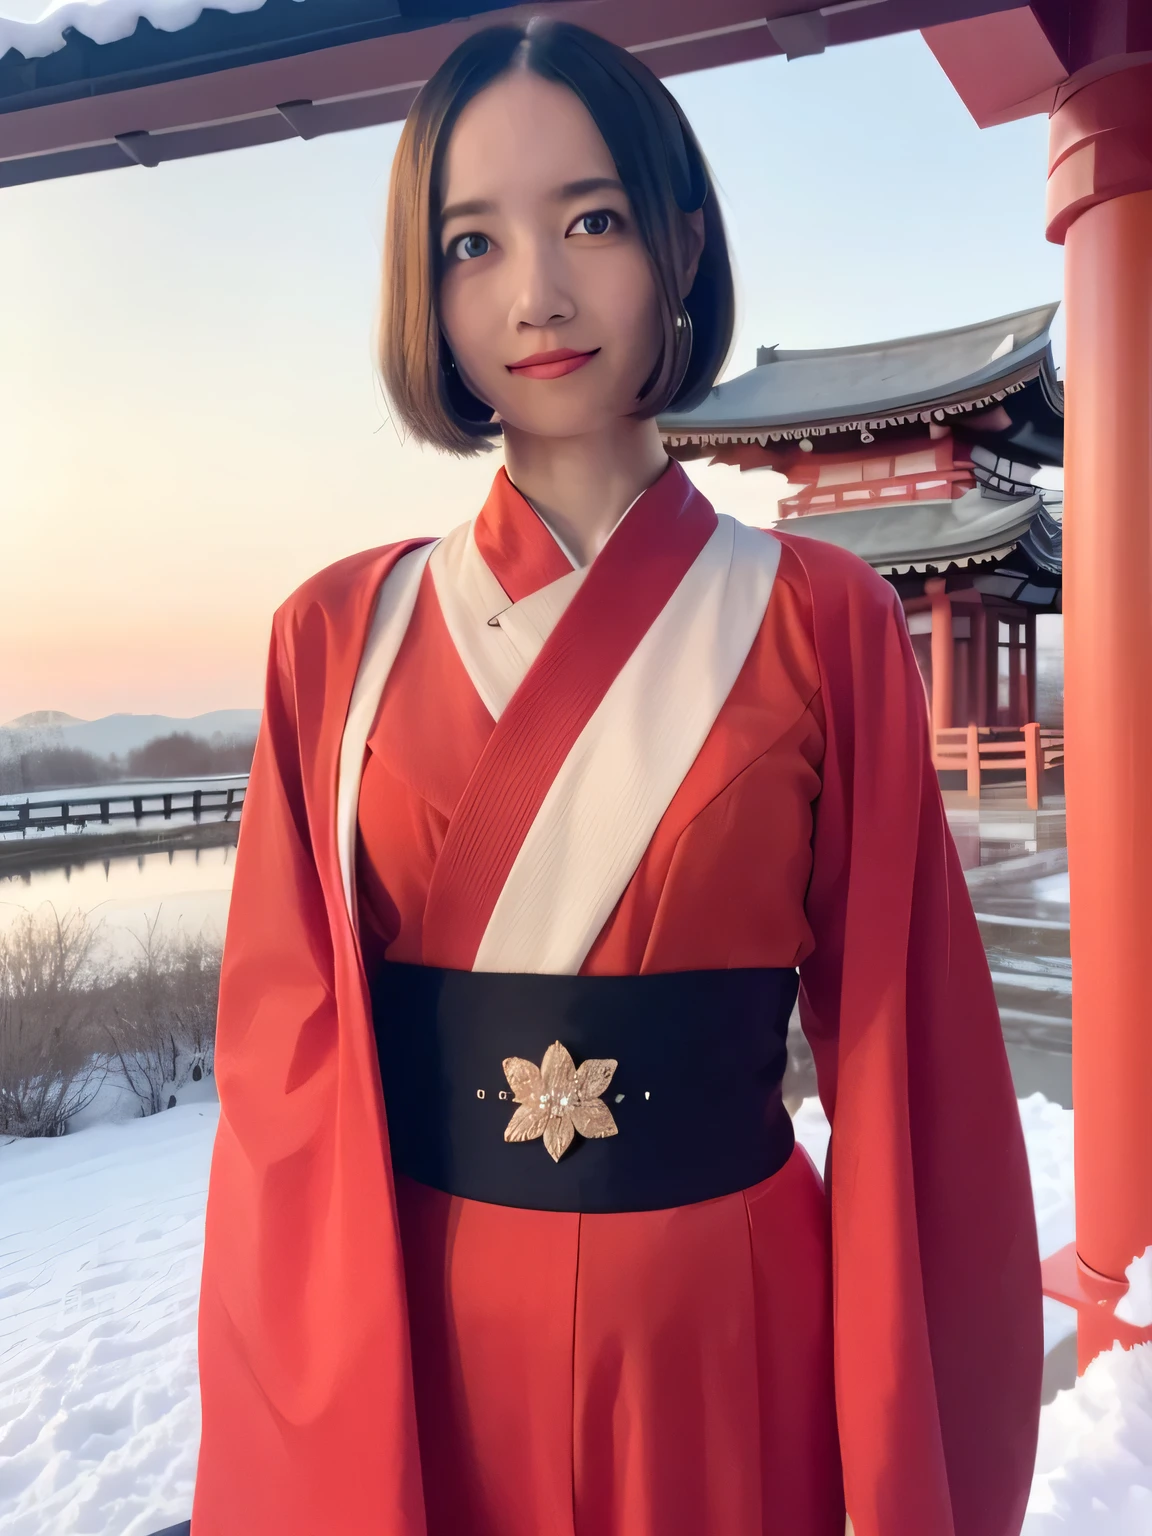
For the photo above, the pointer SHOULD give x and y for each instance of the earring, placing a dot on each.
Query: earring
(683, 326)
(681, 355)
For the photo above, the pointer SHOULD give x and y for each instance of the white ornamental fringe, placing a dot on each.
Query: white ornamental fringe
(960, 562)
(794, 434)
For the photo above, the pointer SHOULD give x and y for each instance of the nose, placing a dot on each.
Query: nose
(541, 295)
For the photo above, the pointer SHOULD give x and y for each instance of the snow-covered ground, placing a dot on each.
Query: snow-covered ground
(100, 1243)
(99, 1267)
(1094, 1463)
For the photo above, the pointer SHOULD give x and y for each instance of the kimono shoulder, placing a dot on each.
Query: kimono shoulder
(318, 639)
(338, 595)
(839, 578)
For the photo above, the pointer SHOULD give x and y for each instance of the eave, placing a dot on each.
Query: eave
(933, 535)
(226, 81)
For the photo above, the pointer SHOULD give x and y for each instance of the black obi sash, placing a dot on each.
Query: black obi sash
(694, 1097)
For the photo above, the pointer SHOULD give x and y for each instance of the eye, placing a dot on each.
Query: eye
(468, 247)
(598, 223)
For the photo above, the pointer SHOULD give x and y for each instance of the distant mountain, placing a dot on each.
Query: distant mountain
(120, 734)
(42, 717)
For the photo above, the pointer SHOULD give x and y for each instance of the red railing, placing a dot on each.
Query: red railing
(977, 749)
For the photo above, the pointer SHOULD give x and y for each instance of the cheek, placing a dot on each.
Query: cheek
(629, 306)
(467, 311)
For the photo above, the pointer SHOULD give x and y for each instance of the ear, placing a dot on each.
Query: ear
(692, 248)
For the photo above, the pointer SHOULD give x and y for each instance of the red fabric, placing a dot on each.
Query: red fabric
(553, 1399)
(518, 550)
(308, 1421)
(720, 884)
(636, 573)
(936, 1273)
(658, 1373)
(309, 1413)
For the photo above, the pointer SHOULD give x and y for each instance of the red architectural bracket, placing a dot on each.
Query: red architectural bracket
(1100, 146)
(1002, 66)
(1068, 1279)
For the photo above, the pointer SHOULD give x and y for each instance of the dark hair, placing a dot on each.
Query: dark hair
(661, 167)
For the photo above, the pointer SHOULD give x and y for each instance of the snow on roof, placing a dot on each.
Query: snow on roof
(36, 27)
(912, 536)
(869, 383)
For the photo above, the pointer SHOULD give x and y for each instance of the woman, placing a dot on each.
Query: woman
(507, 1234)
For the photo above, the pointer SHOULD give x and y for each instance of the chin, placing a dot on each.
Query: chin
(574, 418)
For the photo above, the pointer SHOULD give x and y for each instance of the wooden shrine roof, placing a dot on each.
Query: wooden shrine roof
(791, 395)
(923, 535)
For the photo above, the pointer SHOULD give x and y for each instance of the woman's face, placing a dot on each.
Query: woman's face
(548, 300)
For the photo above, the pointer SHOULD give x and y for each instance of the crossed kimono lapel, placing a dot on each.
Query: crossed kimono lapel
(590, 747)
(623, 591)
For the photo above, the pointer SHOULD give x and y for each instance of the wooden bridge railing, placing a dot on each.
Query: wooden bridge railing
(81, 811)
(976, 749)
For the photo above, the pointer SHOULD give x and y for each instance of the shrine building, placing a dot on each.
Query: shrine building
(920, 455)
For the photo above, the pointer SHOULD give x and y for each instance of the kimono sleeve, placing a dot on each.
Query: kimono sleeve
(304, 1375)
(936, 1279)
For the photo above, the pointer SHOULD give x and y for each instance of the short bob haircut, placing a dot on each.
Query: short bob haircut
(662, 169)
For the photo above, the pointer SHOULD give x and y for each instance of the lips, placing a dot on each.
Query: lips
(551, 365)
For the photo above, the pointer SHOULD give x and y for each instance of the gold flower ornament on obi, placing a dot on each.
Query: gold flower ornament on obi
(557, 1099)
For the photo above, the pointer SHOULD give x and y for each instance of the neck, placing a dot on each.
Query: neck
(582, 486)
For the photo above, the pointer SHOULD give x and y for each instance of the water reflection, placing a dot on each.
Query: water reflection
(185, 888)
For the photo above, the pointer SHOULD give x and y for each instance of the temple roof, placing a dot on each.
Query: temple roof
(974, 528)
(884, 383)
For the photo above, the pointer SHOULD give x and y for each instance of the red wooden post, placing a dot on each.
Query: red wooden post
(1032, 763)
(941, 653)
(1100, 205)
(973, 745)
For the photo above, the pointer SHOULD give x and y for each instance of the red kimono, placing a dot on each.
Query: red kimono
(504, 764)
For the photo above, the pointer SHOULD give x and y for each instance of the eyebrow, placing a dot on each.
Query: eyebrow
(563, 194)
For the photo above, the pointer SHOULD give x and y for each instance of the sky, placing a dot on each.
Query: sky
(190, 420)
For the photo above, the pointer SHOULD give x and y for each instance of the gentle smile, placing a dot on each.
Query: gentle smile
(551, 365)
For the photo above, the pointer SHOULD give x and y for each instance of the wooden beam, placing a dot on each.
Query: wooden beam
(1002, 66)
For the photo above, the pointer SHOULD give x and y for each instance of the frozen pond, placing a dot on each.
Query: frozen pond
(187, 888)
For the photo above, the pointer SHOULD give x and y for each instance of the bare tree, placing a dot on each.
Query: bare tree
(162, 1015)
(48, 998)
(194, 964)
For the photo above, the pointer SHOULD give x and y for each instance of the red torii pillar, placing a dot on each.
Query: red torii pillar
(1100, 208)
(942, 655)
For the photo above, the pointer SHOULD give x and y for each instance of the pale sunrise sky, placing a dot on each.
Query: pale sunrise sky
(189, 420)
